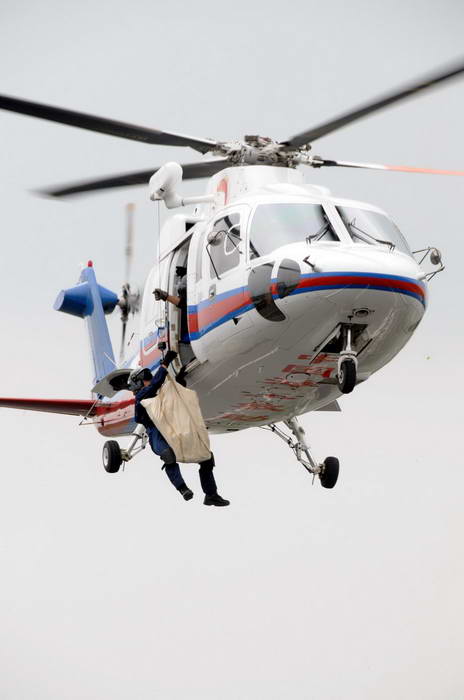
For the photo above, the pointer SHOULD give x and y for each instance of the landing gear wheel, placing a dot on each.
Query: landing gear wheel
(347, 376)
(329, 473)
(111, 455)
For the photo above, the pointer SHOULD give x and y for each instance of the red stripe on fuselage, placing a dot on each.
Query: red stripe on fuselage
(364, 280)
(149, 355)
(216, 310)
(193, 322)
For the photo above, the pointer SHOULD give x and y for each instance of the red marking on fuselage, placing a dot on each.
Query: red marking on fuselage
(115, 428)
(224, 188)
(239, 417)
(153, 354)
(309, 369)
(112, 418)
(322, 357)
(277, 381)
(107, 409)
(258, 406)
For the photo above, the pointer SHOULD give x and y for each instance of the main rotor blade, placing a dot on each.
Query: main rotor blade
(363, 110)
(103, 125)
(322, 162)
(204, 168)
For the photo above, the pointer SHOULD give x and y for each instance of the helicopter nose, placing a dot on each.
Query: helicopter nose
(362, 259)
(349, 276)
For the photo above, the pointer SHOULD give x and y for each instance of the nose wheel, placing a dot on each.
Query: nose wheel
(347, 365)
(347, 376)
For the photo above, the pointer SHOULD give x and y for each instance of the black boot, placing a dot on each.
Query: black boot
(214, 499)
(186, 493)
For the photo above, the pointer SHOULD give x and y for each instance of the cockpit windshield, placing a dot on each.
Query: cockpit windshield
(275, 225)
(372, 228)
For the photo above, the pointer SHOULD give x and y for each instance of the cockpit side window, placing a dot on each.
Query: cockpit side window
(372, 228)
(223, 244)
(275, 225)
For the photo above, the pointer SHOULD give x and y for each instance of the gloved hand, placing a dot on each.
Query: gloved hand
(160, 294)
(169, 357)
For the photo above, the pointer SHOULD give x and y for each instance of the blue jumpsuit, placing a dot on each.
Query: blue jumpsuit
(159, 445)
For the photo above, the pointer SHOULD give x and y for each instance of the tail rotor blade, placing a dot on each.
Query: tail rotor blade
(129, 303)
(129, 250)
(123, 339)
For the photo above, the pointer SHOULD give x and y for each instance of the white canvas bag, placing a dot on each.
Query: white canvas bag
(176, 413)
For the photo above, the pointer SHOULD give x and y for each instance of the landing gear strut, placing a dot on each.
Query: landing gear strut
(347, 364)
(327, 471)
(113, 456)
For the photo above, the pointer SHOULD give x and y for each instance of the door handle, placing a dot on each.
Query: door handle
(212, 291)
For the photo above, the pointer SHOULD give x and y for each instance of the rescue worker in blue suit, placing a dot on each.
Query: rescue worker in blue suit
(146, 386)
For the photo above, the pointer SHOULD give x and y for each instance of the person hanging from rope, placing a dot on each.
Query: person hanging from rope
(145, 385)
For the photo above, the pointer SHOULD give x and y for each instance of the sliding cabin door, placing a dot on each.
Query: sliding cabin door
(217, 281)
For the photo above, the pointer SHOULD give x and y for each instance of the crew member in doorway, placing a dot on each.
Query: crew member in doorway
(146, 386)
(180, 301)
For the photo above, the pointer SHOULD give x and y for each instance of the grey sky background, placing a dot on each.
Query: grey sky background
(111, 586)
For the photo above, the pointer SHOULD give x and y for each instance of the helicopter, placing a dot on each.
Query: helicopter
(294, 296)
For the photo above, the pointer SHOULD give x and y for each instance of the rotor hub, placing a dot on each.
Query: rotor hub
(261, 150)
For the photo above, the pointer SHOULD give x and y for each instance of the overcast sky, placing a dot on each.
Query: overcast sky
(111, 586)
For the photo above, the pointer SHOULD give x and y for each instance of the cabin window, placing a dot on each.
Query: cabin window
(223, 245)
(275, 225)
(371, 228)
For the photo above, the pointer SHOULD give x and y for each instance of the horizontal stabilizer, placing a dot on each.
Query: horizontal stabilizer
(113, 382)
(68, 407)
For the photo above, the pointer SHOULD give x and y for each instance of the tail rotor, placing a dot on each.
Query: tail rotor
(129, 303)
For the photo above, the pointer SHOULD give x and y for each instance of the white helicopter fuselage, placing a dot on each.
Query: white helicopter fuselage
(268, 299)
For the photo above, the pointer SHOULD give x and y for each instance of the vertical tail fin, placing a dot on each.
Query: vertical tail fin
(91, 301)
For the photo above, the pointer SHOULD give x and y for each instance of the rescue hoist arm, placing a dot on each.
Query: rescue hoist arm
(163, 184)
